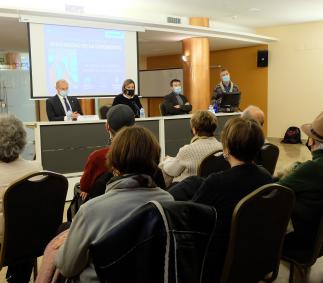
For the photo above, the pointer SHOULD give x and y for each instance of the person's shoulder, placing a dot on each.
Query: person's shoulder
(99, 153)
(52, 98)
(218, 85)
(235, 87)
(119, 97)
(73, 98)
(168, 96)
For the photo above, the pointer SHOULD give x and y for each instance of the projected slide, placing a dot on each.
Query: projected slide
(94, 61)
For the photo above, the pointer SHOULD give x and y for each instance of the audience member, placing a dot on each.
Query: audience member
(12, 168)
(133, 186)
(62, 107)
(255, 113)
(241, 139)
(175, 102)
(128, 97)
(203, 143)
(306, 180)
(118, 116)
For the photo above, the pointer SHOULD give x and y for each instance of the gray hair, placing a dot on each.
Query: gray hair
(12, 138)
(253, 113)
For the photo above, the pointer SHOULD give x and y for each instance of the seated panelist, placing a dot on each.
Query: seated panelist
(128, 97)
(175, 102)
(62, 107)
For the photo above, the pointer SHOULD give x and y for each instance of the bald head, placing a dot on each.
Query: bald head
(254, 113)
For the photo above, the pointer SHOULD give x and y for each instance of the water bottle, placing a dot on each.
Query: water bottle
(211, 109)
(142, 113)
(215, 108)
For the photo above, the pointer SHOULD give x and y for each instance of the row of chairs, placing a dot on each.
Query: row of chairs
(34, 206)
(258, 228)
(215, 162)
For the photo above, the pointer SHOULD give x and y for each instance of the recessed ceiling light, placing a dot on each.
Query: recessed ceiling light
(234, 17)
(253, 10)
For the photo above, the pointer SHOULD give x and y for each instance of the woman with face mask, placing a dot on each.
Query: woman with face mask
(128, 97)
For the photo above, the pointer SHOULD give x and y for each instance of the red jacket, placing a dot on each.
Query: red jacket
(95, 166)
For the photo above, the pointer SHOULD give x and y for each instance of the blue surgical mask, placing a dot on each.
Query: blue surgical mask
(63, 93)
(226, 78)
(178, 89)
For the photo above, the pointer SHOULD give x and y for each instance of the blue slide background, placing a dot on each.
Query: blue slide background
(91, 60)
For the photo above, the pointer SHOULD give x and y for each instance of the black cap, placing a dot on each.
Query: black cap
(119, 116)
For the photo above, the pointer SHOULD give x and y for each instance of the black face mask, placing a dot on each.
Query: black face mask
(130, 92)
(308, 146)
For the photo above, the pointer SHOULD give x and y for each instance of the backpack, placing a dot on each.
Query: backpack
(292, 135)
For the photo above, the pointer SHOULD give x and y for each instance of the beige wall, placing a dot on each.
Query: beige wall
(295, 75)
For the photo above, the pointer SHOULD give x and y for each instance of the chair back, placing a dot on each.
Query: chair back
(100, 185)
(104, 111)
(268, 157)
(258, 227)
(159, 242)
(318, 246)
(162, 109)
(307, 257)
(33, 211)
(215, 162)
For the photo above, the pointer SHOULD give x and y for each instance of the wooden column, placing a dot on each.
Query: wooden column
(197, 68)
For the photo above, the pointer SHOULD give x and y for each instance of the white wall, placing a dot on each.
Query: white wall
(295, 76)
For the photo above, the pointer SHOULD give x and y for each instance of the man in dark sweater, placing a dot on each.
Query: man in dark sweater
(176, 103)
(306, 180)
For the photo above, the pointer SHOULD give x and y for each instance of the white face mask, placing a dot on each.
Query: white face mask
(64, 93)
(226, 78)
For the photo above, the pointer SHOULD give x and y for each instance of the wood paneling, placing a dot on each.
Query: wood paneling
(153, 106)
(242, 65)
(198, 21)
(88, 106)
(164, 62)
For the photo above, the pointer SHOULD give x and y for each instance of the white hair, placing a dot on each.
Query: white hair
(12, 138)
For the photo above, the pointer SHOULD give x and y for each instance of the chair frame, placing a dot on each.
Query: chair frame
(26, 177)
(205, 158)
(305, 267)
(234, 235)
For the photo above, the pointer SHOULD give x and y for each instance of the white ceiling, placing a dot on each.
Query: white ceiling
(250, 13)
(154, 43)
(245, 13)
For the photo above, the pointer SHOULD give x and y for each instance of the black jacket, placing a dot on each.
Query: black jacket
(222, 190)
(133, 103)
(55, 110)
(170, 101)
(172, 239)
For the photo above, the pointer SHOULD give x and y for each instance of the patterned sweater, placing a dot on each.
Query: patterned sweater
(189, 157)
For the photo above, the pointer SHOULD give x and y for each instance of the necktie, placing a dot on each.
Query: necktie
(68, 108)
(179, 99)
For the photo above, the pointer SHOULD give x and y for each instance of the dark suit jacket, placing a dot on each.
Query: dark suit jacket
(170, 101)
(55, 110)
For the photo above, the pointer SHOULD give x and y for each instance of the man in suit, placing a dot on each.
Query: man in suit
(62, 107)
(176, 103)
